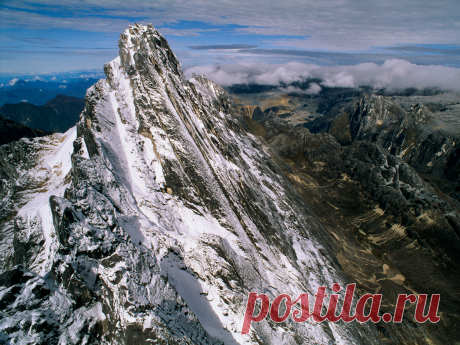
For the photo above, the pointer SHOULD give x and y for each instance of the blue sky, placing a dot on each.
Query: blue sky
(50, 36)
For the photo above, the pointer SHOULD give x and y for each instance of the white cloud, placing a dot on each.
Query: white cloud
(393, 74)
(256, 73)
(22, 19)
(36, 78)
(13, 81)
(351, 26)
(344, 25)
(189, 33)
(313, 89)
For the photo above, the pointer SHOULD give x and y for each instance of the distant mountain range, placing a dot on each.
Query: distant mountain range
(39, 92)
(12, 131)
(57, 115)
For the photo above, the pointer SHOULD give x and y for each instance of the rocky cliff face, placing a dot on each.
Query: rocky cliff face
(154, 219)
(421, 139)
(32, 170)
(394, 232)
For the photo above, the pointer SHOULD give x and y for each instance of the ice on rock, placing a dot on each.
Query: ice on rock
(166, 222)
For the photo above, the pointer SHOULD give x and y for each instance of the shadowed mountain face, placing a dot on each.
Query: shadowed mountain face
(57, 115)
(12, 131)
(423, 130)
(395, 232)
(155, 218)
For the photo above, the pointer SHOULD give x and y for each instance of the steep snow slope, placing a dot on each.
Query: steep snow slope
(174, 214)
(32, 170)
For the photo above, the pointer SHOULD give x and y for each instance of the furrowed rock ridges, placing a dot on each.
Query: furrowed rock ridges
(425, 141)
(171, 215)
(395, 232)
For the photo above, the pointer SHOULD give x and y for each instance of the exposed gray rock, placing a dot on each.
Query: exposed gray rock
(173, 215)
(415, 135)
(382, 213)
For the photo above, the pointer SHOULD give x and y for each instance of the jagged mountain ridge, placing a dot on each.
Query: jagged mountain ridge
(395, 232)
(12, 131)
(56, 115)
(426, 142)
(167, 217)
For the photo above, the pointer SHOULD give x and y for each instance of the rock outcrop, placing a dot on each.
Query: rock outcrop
(395, 233)
(415, 135)
(171, 214)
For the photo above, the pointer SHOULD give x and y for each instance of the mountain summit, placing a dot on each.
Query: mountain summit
(153, 219)
(166, 216)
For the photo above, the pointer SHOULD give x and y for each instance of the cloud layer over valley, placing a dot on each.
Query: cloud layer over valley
(392, 74)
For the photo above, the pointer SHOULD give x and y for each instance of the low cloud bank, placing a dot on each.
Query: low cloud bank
(393, 74)
(313, 89)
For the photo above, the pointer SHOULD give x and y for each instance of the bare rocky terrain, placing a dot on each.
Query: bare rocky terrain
(153, 218)
(383, 177)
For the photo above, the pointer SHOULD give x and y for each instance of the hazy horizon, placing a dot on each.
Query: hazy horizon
(345, 43)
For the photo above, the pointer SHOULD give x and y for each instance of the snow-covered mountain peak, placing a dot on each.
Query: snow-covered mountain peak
(139, 39)
(174, 214)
